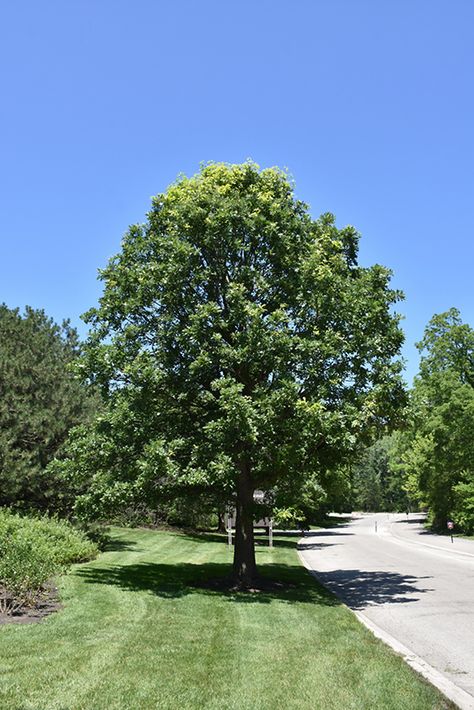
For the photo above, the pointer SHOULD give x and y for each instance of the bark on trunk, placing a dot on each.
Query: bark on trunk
(244, 569)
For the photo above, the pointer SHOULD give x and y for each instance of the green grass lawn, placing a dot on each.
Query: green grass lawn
(135, 634)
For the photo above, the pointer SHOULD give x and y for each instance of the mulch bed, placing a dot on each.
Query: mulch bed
(48, 604)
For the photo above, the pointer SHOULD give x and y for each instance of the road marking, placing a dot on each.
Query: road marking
(447, 550)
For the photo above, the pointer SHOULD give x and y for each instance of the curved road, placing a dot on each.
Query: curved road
(415, 586)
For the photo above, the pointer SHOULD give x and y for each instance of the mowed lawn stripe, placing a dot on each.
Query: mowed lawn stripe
(138, 630)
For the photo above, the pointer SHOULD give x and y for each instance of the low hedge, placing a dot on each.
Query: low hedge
(32, 551)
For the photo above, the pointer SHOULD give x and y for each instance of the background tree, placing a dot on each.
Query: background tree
(237, 344)
(297, 502)
(439, 454)
(378, 477)
(40, 401)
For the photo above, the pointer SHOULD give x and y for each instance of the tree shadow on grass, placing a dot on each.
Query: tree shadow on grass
(360, 589)
(171, 581)
(119, 545)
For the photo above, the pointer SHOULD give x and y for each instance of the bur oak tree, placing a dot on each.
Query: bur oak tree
(238, 344)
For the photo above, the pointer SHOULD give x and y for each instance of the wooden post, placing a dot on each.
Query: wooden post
(270, 533)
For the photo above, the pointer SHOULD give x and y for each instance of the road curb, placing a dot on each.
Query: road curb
(453, 692)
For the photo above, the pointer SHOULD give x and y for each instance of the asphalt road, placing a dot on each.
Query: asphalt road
(417, 587)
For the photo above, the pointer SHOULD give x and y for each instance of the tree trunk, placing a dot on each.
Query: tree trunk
(244, 569)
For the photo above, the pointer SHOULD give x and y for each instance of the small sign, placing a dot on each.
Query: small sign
(450, 525)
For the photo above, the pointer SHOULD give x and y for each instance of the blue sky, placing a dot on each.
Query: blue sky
(369, 105)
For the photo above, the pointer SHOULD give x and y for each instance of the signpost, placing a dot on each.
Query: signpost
(451, 528)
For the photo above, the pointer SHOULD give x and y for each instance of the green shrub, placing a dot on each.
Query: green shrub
(32, 550)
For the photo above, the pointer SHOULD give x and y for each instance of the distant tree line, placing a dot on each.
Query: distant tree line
(429, 463)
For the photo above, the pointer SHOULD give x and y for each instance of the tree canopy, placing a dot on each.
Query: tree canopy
(40, 401)
(238, 345)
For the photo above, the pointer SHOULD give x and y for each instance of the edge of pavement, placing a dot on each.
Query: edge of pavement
(418, 543)
(453, 692)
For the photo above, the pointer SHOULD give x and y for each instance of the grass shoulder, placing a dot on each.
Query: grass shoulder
(139, 629)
